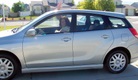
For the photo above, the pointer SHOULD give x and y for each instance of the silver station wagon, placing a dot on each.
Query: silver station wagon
(69, 40)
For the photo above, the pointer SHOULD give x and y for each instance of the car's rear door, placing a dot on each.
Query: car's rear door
(90, 45)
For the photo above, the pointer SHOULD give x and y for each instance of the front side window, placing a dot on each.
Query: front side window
(55, 24)
(117, 23)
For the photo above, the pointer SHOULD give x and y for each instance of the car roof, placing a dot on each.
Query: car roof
(106, 13)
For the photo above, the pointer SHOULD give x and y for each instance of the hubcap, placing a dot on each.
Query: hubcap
(117, 62)
(6, 68)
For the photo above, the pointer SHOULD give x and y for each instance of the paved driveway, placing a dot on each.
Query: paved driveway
(131, 73)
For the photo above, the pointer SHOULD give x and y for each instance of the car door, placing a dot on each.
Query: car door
(90, 41)
(49, 47)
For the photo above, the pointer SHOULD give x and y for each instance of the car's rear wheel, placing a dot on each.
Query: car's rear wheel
(116, 61)
(8, 67)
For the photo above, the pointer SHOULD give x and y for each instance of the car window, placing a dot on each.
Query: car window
(89, 22)
(81, 20)
(93, 18)
(117, 23)
(55, 24)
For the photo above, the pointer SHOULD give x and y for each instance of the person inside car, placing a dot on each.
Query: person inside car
(96, 25)
(64, 23)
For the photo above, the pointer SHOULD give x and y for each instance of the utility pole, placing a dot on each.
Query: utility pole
(4, 16)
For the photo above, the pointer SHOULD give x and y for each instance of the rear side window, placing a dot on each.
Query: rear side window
(89, 22)
(117, 23)
(81, 20)
(93, 18)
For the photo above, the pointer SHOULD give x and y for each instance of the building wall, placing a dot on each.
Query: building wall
(51, 1)
(131, 12)
(120, 10)
(7, 11)
(36, 2)
(45, 3)
(118, 2)
(69, 1)
(57, 1)
(127, 12)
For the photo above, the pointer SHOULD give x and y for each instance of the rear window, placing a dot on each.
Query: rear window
(117, 23)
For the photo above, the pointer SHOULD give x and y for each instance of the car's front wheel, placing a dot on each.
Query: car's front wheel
(8, 67)
(116, 61)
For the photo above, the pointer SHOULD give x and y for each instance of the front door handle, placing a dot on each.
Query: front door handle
(105, 36)
(66, 39)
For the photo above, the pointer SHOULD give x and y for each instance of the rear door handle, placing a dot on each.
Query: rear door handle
(66, 39)
(105, 36)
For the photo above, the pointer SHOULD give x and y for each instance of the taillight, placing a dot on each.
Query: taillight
(134, 32)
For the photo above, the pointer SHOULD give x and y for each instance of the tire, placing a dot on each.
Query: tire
(8, 67)
(116, 62)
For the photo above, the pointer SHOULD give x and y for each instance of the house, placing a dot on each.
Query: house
(128, 10)
(6, 9)
(26, 7)
(39, 7)
(66, 4)
(135, 4)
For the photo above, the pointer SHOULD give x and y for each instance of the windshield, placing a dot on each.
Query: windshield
(31, 22)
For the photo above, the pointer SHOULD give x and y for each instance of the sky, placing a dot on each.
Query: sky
(10, 2)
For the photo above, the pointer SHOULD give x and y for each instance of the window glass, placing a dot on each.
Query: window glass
(89, 22)
(93, 18)
(97, 22)
(55, 24)
(117, 23)
(81, 20)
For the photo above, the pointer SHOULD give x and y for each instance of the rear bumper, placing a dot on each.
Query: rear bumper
(134, 52)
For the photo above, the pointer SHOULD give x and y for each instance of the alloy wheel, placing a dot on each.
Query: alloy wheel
(117, 62)
(6, 68)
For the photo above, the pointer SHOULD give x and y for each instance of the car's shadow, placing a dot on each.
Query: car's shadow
(131, 73)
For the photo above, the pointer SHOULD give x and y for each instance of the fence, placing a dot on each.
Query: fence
(26, 13)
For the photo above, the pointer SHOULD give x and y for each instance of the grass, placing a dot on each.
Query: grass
(22, 18)
(16, 19)
(8, 27)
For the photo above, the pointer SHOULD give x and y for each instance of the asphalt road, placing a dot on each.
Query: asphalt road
(14, 23)
(131, 73)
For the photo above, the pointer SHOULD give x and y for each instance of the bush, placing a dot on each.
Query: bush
(0, 16)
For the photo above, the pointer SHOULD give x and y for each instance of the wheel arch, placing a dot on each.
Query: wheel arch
(13, 55)
(118, 48)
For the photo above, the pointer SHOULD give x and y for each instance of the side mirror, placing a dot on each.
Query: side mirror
(31, 33)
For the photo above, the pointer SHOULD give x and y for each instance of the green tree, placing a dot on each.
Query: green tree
(107, 5)
(104, 5)
(73, 2)
(19, 6)
(86, 4)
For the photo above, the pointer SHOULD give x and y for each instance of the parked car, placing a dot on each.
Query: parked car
(40, 46)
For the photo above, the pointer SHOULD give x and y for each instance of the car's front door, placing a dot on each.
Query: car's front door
(49, 47)
(91, 39)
